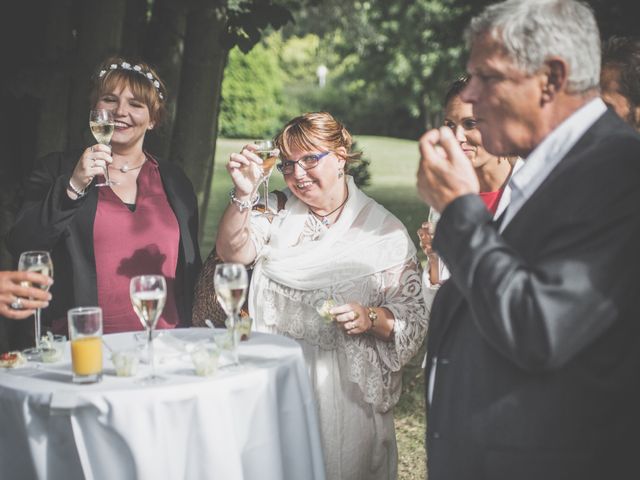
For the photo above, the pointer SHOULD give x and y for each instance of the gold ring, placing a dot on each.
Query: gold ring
(356, 315)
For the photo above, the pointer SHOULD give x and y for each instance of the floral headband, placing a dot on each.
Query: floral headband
(135, 68)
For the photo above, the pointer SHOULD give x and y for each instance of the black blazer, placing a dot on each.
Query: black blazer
(50, 220)
(537, 333)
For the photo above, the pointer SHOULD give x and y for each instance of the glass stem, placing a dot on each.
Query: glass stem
(36, 328)
(152, 359)
(235, 337)
(265, 186)
(106, 171)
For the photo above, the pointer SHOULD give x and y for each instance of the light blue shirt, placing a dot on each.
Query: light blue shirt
(548, 154)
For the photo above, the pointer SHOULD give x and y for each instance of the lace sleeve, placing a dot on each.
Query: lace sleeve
(401, 293)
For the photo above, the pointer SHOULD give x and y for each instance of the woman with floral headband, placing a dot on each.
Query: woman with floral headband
(338, 273)
(146, 222)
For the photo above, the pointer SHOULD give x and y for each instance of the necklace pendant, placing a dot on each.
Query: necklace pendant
(124, 168)
(325, 221)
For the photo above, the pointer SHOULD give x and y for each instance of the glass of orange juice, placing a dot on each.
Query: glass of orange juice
(85, 332)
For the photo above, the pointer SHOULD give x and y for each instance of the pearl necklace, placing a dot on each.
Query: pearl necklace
(324, 218)
(125, 168)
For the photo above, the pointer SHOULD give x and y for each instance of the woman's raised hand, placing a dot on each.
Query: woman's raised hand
(425, 233)
(94, 161)
(245, 170)
(426, 238)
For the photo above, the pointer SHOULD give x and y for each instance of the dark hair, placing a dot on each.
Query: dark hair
(623, 55)
(456, 88)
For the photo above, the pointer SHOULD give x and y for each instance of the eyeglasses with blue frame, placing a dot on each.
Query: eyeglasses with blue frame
(306, 163)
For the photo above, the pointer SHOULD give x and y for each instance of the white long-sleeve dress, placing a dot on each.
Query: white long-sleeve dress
(365, 257)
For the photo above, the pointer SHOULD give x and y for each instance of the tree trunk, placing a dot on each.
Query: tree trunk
(99, 34)
(195, 127)
(134, 29)
(58, 45)
(164, 46)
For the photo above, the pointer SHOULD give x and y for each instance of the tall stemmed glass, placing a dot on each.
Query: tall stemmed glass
(148, 295)
(102, 126)
(269, 155)
(231, 281)
(40, 262)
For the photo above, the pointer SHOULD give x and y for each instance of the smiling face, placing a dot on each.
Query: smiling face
(458, 116)
(506, 101)
(321, 186)
(131, 115)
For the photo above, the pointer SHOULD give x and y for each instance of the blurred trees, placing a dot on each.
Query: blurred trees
(389, 61)
(253, 94)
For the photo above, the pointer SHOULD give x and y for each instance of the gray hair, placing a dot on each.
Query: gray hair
(533, 30)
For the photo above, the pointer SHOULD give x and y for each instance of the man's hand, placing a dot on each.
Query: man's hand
(445, 172)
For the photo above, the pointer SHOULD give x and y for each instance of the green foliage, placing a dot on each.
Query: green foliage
(247, 20)
(252, 94)
(359, 169)
(390, 61)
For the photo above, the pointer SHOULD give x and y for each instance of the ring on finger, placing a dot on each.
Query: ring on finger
(17, 304)
(356, 315)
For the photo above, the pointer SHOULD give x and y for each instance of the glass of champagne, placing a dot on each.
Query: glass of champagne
(267, 152)
(148, 295)
(231, 281)
(40, 262)
(102, 126)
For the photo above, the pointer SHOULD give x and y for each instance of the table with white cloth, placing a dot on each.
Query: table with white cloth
(257, 420)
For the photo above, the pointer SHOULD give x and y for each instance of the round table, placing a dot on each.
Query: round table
(257, 420)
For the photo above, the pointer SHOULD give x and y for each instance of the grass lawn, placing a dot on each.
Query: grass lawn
(393, 167)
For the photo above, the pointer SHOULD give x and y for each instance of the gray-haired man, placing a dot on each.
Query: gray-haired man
(534, 343)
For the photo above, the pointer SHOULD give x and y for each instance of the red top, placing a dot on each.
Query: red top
(129, 243)
(491, 199)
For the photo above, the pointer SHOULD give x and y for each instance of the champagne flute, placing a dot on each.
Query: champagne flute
(266, 151)
(231, 281)
(102, 126)
(148, 295)
(40, 262)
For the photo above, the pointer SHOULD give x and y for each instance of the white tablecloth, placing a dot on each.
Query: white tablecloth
(256, 421)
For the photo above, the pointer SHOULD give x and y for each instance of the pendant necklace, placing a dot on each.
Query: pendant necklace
(125, 168)
(324, 218)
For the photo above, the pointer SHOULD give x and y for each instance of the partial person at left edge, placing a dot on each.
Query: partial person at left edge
(21, 294)
(146, 222)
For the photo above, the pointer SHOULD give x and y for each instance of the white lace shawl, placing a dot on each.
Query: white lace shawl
(365, 257)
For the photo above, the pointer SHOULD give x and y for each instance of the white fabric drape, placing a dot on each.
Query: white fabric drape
(366, 239)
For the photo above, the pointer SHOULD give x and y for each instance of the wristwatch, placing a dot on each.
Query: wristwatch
(373, 315)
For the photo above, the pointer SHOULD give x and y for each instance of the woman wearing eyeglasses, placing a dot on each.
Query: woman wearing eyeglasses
(337, 272)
